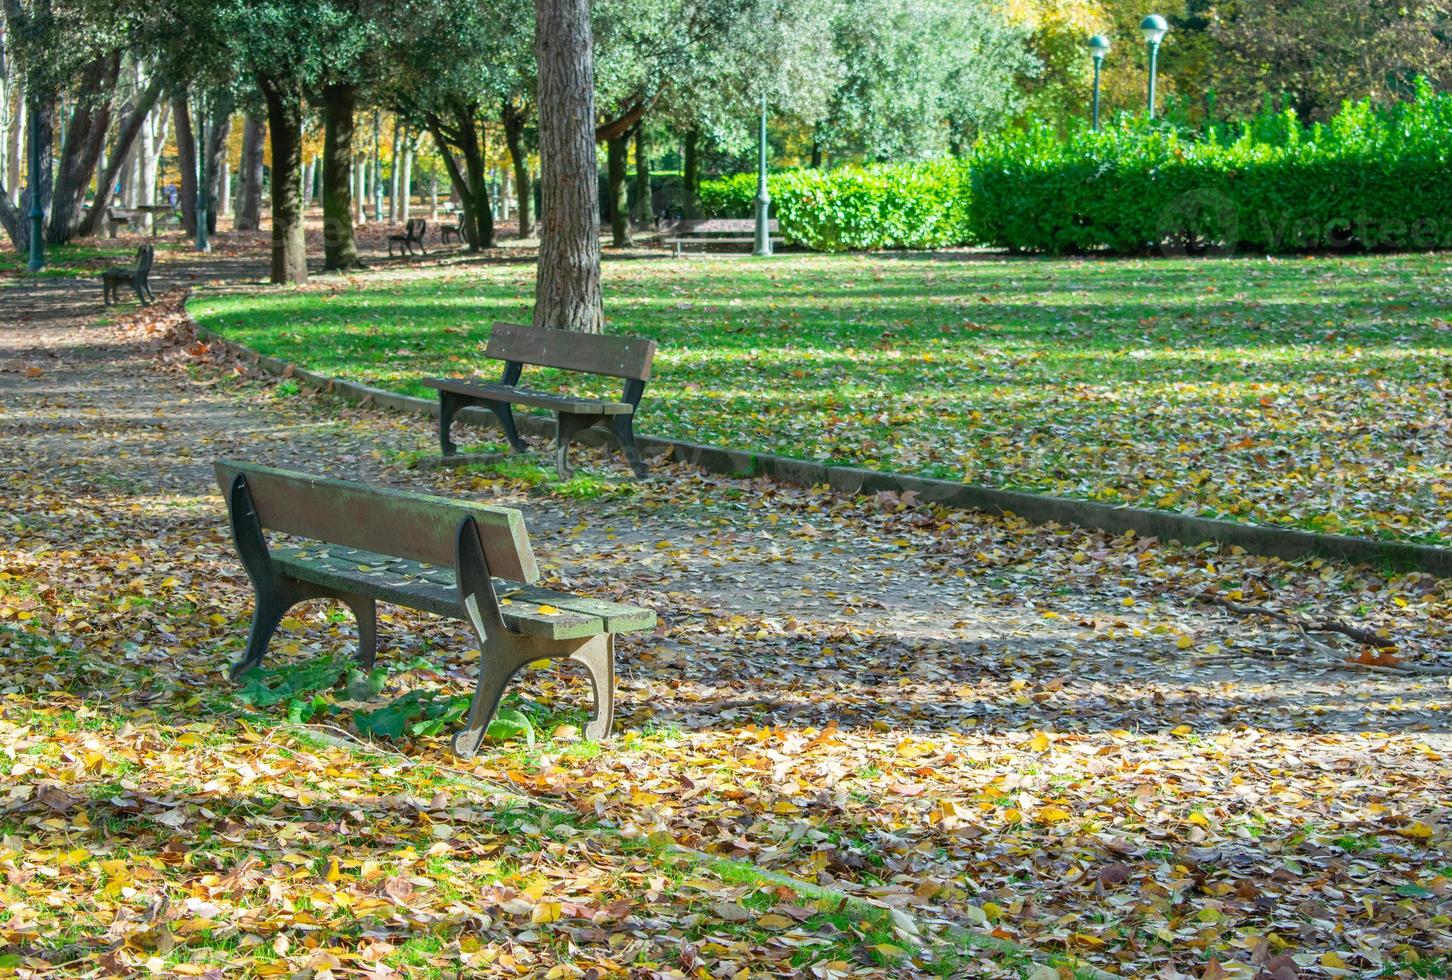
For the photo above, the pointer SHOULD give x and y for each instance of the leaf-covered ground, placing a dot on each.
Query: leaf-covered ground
(1311, 392)
(1036, 734)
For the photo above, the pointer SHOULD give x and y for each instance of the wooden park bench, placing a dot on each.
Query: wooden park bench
(456, 229)
(714, 231)
(413, 234)
(137, 276)
(466, 561)
(615, 356)
(117, 219)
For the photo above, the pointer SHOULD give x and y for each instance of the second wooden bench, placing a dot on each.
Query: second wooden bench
(614, 356)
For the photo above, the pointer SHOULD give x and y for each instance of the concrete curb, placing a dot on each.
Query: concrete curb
(1260, 539)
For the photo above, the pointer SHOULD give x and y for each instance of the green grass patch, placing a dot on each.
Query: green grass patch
(1306, 392)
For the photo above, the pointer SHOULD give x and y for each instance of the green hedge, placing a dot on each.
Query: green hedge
(1370, 177)
(915, 206)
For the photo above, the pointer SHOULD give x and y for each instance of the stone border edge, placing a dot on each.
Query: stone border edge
(1260, 539)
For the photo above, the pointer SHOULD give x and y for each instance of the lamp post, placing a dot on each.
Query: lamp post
(1154, 28)
(1098, 48)
(203, 244)
(36, 215)
(763, 199)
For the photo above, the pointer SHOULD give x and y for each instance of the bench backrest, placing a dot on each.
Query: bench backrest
(716, 226)
(391, 522)
(145, 255)
(613, 355)
(413, 229)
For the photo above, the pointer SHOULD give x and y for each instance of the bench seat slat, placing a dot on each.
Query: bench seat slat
(525, 396)
(431, 588)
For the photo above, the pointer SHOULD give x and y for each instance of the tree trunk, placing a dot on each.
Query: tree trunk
(216, 161)
(816, 155)
(186, 157)
(131, 127)
(406, 182)
(617, 152)
(149, 146)
(514, 120)
(225, 205)
(249, 190)
(393, 172)
(691, 179)
(644, 209)
(15, 219)
(470, 184)
(340, 247)
(567, 285)
(16, 142)
(84, 141)
(284, 119)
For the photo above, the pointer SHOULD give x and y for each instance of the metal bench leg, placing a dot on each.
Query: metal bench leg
(271, 607)
(504, 412)
(365, 610)
(598, 656)
(567, 425)
(449, 405)
(624, 428)
(136, 288)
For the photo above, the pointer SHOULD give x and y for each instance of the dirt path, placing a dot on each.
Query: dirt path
(936, 709)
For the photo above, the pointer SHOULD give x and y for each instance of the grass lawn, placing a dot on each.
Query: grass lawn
(80, 261)
(1311, 392)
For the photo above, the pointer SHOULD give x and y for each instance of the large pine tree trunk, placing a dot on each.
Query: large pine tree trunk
(284, 119)
(514, 119)
(85, 139)
(186, 161)
(125, 149)
(644, 208)
(617, 152)
(567, 284)
(340, 247)
(249, 191)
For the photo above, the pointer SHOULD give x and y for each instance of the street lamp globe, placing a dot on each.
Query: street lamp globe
(1154, 28)
(1099, 46)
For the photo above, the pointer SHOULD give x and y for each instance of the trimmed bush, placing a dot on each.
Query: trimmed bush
(914, 206)
(1368, 178)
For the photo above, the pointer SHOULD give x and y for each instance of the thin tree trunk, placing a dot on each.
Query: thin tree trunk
(816, 155)
(85, 139)
(153, 137)
(644, 210)
(284, 119)
(470, 184)
(225, 206)
(617, 153)
(131, 127)
(186, 157)
(249, 191)
(514, 120)
(340, 247)
(567, 286)
(216, 161)
(691, 179)
(393, 172)
(407, 180)
(12, 151)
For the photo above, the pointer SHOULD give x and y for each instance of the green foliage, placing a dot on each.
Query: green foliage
(923, 205)
(425, 713)
(1371, 177)
(265, 687)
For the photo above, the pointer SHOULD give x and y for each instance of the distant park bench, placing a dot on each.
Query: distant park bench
(427, 553)
(628, 358)
(456, 229)
(117, 219)
(714, 231)
(138, 277)
(413, 233)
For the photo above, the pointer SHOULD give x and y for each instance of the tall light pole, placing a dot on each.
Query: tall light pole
(203, 243)
(1154, 28)
(763, 199)
(36, 215)
(1098, 48)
